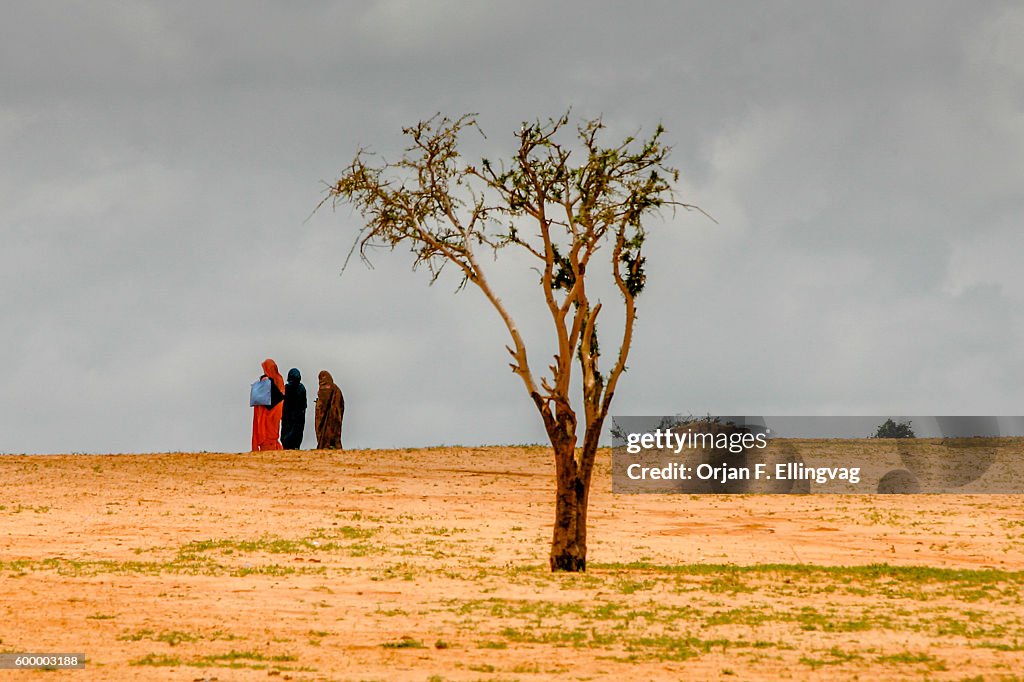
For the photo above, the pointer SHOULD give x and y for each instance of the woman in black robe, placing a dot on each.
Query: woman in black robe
(293, 419)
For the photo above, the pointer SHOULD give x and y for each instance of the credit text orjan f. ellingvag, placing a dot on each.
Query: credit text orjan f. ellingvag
(792, 471)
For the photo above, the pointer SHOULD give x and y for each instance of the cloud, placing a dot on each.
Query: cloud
(410, 28)
(864, 167)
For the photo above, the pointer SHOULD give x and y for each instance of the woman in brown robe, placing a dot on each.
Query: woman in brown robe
(330, 410)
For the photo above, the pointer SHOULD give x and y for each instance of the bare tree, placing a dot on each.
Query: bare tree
(446, 211)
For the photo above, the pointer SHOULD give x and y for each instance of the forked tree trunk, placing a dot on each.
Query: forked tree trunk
(572, 485)
(569, 544)
(572, 495)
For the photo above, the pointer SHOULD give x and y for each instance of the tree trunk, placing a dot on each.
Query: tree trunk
(569, 544)
(572, 486)
(572, 495)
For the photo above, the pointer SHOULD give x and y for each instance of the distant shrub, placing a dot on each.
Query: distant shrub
(890, 429)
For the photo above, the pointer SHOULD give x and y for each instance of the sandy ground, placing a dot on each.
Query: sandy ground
(429, 565)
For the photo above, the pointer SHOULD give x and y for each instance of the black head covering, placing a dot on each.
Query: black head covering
(294, 375)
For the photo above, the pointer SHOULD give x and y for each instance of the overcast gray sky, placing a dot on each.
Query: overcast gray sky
(865, 161)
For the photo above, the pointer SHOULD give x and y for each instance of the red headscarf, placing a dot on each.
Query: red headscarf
(271, 370)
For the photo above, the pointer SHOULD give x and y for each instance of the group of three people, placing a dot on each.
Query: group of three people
(279, 425)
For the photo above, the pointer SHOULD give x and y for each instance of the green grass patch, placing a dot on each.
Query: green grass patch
(181, 564)
(404, 643)
(834, 656)
(158, 660)
(872, 572)
(908, 658)
(246, 656)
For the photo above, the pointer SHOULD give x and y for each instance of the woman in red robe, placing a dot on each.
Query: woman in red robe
(266, 420)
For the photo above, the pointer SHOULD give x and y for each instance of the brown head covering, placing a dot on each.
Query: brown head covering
(271, 370)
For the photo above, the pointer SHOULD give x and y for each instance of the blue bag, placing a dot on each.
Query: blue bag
(259, 393)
